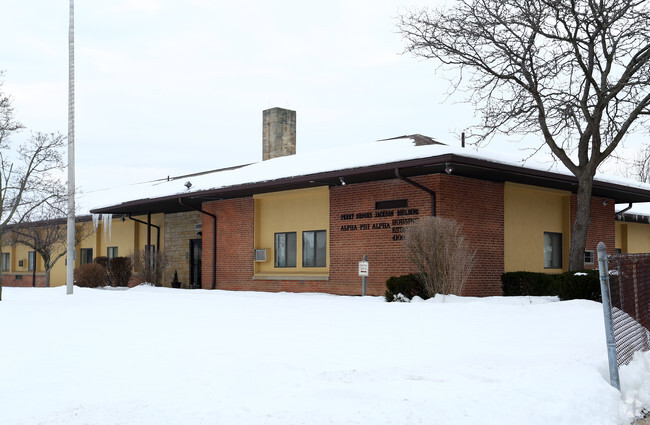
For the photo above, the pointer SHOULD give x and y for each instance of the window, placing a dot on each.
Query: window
(314, 248)
(31, 260)
(86, 256)
(5, 262)
(589, 257)
(111, 252)
(285, 249)
(552, 250)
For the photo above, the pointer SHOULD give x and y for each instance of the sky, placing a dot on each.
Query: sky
(167, 88)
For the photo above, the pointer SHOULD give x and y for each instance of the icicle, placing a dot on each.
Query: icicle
(95, 222)
(107, 221)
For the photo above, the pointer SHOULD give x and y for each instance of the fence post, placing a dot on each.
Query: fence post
(607, 313)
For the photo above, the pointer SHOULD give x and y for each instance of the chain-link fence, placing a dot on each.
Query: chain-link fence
(629, 278)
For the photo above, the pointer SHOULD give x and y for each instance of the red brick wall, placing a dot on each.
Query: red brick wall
(476, 204)
(235, 244)
(602, 226)
(25, 281)
(386, 256)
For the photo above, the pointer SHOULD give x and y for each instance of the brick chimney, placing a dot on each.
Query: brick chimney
(278, 133)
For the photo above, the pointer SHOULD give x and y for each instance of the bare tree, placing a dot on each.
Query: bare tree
(577, 73)
(45, 231)
(150, 265)
(440, 253)
(29, 173)
(641, 165)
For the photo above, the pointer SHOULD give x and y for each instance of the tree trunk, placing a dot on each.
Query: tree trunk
(581, 224)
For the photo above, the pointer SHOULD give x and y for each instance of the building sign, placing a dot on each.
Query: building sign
(393, 220)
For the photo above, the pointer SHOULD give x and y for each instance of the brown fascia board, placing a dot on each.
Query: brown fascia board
(61, 220)
(461, 165)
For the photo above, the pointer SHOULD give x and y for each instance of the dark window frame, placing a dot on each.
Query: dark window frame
(6, 262)
(31, 261)
(552, 259)
(84, 258)
(318, 260)
(285, 259)
(111, 252)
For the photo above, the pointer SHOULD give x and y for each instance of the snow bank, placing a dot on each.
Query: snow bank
(163, 356)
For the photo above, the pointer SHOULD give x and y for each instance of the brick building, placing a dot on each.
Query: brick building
(302, 222)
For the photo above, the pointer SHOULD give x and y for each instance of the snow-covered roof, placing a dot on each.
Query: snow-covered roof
(369, 159)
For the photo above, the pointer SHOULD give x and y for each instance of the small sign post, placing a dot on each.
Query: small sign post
(363, 272)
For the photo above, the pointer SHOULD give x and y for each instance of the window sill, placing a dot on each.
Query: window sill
(291, 277)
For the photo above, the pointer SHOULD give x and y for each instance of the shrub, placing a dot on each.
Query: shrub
(120, 270)
(408, 285)
(101, 260)
(584, 284)
(149, 266)
(527, 283)
(90, 275)
(440, 253)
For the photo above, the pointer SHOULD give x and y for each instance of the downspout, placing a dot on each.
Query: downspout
(419, 186)
(152, 225)
(214, 240)
(620, 213)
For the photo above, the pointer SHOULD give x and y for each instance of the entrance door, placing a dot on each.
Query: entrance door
(195, 263)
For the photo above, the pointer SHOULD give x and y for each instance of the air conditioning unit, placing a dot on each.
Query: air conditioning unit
(260, 255)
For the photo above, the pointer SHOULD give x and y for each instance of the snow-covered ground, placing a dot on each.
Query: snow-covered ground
(167, 356)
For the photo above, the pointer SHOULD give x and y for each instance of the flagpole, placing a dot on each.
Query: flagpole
(71, 174)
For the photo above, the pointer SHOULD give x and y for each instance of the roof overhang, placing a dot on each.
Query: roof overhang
(453, 163)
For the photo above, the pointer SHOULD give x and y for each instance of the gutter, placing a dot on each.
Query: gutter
(152, 225)
(419, 186)
(214, 239)
(619, 214)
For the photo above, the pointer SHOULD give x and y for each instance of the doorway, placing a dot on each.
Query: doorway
(196, 249)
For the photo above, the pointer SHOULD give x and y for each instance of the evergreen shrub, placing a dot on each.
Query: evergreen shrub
(584, 285)
(408, 285)
(527, 283)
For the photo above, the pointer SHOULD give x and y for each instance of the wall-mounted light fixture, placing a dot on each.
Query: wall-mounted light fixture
(448, 168)
(605, 202)
(342, 181)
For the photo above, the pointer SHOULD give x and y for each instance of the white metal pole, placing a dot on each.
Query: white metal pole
(71, 182)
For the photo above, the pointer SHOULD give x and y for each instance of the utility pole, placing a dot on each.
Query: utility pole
(71, 183)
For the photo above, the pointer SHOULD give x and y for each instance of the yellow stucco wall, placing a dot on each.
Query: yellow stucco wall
(529, 211)
(632, 238)
(290, 211)
(127, 235)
